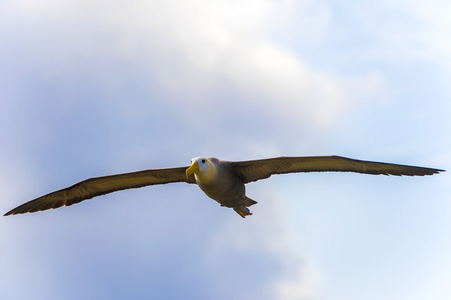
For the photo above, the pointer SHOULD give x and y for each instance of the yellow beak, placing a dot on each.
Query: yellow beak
(194, 168)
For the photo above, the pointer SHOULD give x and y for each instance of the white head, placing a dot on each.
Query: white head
(202, 168)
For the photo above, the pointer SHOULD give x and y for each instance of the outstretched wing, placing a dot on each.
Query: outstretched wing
(97, 186)
(253, 170)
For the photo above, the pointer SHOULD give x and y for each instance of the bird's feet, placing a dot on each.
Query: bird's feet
(242, 211)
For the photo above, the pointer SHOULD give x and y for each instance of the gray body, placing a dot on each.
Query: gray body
(226, 187)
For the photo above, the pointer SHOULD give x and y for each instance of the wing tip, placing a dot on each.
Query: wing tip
(431, 171)
(17, 211)
(418, 171)
(30, 208)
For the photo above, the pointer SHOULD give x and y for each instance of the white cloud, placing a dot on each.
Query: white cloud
(194, 47)
(187, 57)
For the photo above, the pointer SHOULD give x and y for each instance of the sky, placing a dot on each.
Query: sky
(89, 88)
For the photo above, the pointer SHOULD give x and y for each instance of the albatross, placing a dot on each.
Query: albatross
(223, 181)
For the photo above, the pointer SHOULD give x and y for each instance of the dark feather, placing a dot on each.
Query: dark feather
(253, 170)
(97, 186)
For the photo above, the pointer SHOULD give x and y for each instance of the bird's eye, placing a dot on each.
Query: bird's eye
(203, 161)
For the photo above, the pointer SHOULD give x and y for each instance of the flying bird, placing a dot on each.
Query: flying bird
(223, 181)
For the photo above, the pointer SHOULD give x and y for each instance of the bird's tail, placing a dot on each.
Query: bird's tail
(249, 202)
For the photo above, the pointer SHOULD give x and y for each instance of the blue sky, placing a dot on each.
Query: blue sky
(89, 89)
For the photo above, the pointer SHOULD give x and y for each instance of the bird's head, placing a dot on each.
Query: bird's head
(202, 168)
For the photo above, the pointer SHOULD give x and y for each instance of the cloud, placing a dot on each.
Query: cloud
(190, 50)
